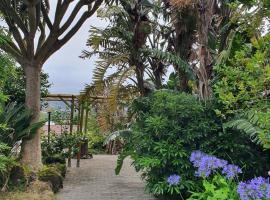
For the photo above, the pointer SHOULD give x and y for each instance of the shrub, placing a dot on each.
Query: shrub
(56, 158)
(167, 128)
(62, 168)
(52, 175)
(59, 148)
(18, 176)
(216, 188)
(95, 144)
(7, 162)
(166, 131)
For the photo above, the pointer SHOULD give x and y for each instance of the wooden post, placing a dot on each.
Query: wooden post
(86, 118)
(49, 126)
(80, 132)
(79, 115)
(79, 155)
(71, 115)
(71, 128)
(81, 118)
(84, 147)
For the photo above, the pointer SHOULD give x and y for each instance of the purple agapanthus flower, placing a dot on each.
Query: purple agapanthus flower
(231, 171)
(257, 188)
(206, 164)
(196, 157)
(173, 179)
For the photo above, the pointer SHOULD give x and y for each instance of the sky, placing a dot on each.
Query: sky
(67, 72)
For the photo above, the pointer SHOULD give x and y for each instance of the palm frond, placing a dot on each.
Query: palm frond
(120, 134)
(114, 89)
(102, 67)
(171, 59)
(120, 160)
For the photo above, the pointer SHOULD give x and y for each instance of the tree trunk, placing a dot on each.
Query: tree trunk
(158, 72)
(31, 149)
(206, 12)
(185, 26)
(139, 75)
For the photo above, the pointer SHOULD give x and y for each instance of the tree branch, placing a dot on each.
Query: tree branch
(46, 16)
(16, 35)
(42, 37)
(11, 49)
(59, 43)
(80, 22)
(8, 10)
(71, 18)
(32, 29)
(61, 9)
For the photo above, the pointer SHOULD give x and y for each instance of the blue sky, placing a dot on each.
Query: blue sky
(68, 73)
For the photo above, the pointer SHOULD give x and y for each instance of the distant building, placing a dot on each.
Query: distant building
(58, 129)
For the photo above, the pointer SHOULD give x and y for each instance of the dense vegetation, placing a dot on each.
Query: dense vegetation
(184, 85)
(217, 97)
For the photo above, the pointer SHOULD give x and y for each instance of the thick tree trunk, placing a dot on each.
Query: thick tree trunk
(158, 72)
(139, 75)
(206, 12)
(31, 149)
(185, 26)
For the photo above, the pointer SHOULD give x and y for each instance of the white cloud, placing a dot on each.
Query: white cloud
(66, 70)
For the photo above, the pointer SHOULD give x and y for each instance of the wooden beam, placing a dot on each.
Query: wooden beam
(71, 116)
(68, 97)
(66, 102)
(86, 118)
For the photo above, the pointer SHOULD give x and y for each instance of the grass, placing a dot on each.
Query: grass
(37, 191)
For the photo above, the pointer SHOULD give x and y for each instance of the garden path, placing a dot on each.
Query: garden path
(95, 180)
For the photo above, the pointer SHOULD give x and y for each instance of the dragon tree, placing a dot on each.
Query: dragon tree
(33, 34)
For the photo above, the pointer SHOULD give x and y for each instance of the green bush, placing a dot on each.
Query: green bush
(52, 175)
(56, 158)
(7, 162)
(62, 168)
(95, 144)
(217, 188)
(59, 148)
(168, 127)
(19, 177)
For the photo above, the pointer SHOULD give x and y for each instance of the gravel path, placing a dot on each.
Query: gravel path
(95, 180)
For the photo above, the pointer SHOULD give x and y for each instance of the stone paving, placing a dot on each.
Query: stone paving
(95, 180)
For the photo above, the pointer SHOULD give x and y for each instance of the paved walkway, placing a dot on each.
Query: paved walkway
(95, 180)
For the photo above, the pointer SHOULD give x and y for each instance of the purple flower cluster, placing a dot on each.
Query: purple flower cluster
(173, 179)
(207, 164)
(257, 188)
(231, 171)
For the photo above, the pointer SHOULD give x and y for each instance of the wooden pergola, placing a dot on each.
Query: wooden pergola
(82, 105)
(71, 101)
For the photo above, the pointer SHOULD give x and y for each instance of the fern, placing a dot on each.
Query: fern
(254, 124)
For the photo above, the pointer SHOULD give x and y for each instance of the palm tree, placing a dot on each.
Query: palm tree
(121, 42)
